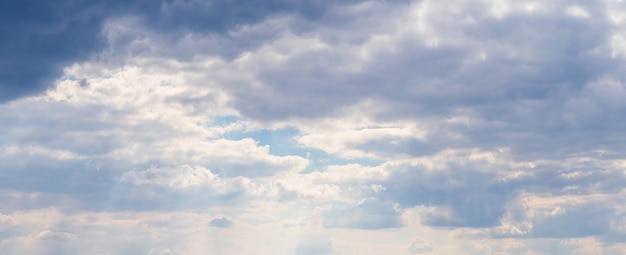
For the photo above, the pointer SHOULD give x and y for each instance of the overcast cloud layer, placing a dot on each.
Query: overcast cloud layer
(313, 127)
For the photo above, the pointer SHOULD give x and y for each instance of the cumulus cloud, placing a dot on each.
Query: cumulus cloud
(494, 120)
(130, 135)
(74, 31)
(394, 57)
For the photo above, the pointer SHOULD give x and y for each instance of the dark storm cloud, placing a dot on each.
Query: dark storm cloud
(40, 38)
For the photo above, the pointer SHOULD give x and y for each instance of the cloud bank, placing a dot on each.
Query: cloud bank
(310, 127)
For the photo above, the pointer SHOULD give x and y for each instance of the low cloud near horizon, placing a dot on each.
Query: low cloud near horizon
(313, 127)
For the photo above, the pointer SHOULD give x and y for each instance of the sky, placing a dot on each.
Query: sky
(312, 127)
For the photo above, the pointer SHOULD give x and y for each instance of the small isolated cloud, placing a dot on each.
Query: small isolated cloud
(222, 222)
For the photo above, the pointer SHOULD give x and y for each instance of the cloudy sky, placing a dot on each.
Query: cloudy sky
(312, 127)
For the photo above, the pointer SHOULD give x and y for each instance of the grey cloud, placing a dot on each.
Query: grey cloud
(221, 223)
(41, 38)
(61, 154)
(525, 91)
(220, 16)
(60, 176)
(547, 88)
(389, 147)
(439, 79)
(71, 185)
(533, 92)
(575, 221)
(314, 245)
(63, 129)
(11, 229)
(475, 194)
(474, 198)
(370, 213)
